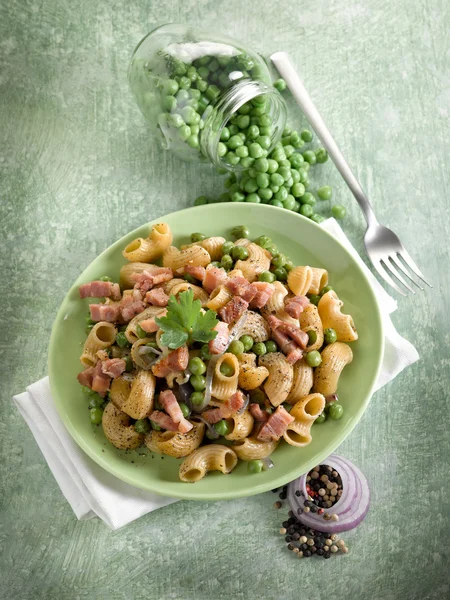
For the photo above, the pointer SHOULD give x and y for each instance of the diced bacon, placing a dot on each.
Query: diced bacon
(137, 295)
(114, 367)
(233, 309)
(153, 275)
(258, 413)
(228, 408)
(195, 271)
(177, 360)
(275, 426)
(157, 297)
(264, 292)
(86, 376)
(100, 381)
(294, 332)
(213, 278)
(100, 289)
(220, 343)
(288, 347)
(131, 310)
(150, 325)
(104, 312)
(239, 286)
(171, 406)
(296, 305)
(163, 420)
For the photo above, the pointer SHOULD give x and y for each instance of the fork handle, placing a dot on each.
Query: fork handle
(286, 69)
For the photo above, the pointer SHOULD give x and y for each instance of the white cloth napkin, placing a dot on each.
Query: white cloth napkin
(91, 491)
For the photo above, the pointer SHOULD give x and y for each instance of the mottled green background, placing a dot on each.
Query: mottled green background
(77, 171)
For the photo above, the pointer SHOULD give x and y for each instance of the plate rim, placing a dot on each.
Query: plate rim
(224, 494)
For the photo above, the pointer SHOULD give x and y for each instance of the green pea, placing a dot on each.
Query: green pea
(312, 337)
(176, 120)
(237, 197)
(295, 176)
(226, 262)
(276, 179)
(247, 342)
(263, 241)
(140, 332)
(280, 274)
(96, 415)
(128, 363)
(200, 201)
(277, 203)
(244, 109)
(267, 277)
(256, 151)
(197, 397)
(221, 149)
(243, 121)
(185, 410)
(265, 194)
(196, 365)
(313, 358)
(197, 237)
(152, 344)
(326, 289)
(264, 141)
(227, 247)
(231, 158)
(321, 155)
(289, 202)
(96, 401)
(234, 142)
(259, 348)
(169, 103)
(255, 466)
(278, 155)
(262, 179)
(242, 152)
(251, 186)
(224, 134)
(204, 353)
(271, 346)
(329, 336)
(193, 141)
(202, 86)
(252, 132)
(306, 135)
(289, 265)
(296, 160)
(247, 162)
(272, 166)
(142, 426)
(303, 174)
(314, 299)
(236, 347)
(298, 189)
(310, 157)
(273, 250)
(254, 198)
(262, 165)
(306, 210)
(336, 411)
(317, 218)
(239, 253)
(155, 426)
(234, 129)
(198, 382)
(105, 278)
(226, 369)
(184, 132)
(325, 192)
(239, 232)
(280, 85)
(279, 261)
(222, 427)
(282, 194)
(338, 211)
(121, 340)
(212, 91)
(321, 418)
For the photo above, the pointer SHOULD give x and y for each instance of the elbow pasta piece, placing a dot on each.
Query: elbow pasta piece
(241, 426)
(251, 376)
(298, 433)
(142, 358)
(119, 391)
(253, 449)
(242, 242)
(224, 386)
(281, 375)
(138, 404)
(150, 248)
(214, 457)
(255, 326)
(258, 261)
(213, 245)
(194, 255)
(168, 286)
(174, 443)
(199, 293)
(309, 408)
(235, 273)
(319, 280)
(101, 336)
(118, 430)
(310, 321)
(299, 280)
(148, 313)
(326, 375)
(218, 298)
(275, 304)
(127, 271)
(330, 312)
(302, 383)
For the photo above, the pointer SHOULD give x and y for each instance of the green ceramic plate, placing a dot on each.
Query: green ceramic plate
(305, 243)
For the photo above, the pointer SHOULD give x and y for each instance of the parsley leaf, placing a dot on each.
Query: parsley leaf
(185, 322)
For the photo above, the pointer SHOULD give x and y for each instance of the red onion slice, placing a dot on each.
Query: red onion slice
(352, 506)
(237, 328)
(267, 463)
(144, 352)
(208, 385)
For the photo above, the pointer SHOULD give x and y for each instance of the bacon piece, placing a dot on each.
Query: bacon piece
(296, 305)
(258, 413)
(220, 343)
(239, 286)
(100, 381)
(275, 426)
(150, 325)
(233, 309)
(114, 367)
(131, 310)
(163, 420)
(153, 275)
(100, 289)
(104, 312)
(171, 406)
(213, 278)
(228, 408)
(157, 297)
(288, 347)
(177, 360)
(196, 271)
(86, 376)
(293, 331)
(264, 292)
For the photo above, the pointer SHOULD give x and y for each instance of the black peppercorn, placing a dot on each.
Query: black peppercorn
(326, 554)
(288, 538)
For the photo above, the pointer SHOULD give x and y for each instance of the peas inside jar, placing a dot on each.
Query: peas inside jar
(206, 97)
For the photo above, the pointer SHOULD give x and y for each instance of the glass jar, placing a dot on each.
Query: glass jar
(206, 97)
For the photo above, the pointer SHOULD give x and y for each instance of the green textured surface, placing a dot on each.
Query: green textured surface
(77, 172)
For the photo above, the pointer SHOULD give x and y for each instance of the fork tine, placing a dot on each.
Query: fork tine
(382, 273)
(400, 266)
(390, 266)
(404, 255)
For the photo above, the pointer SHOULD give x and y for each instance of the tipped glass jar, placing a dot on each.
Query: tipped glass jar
(206, 97)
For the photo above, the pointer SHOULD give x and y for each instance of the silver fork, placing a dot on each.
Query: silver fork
(385, 250)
